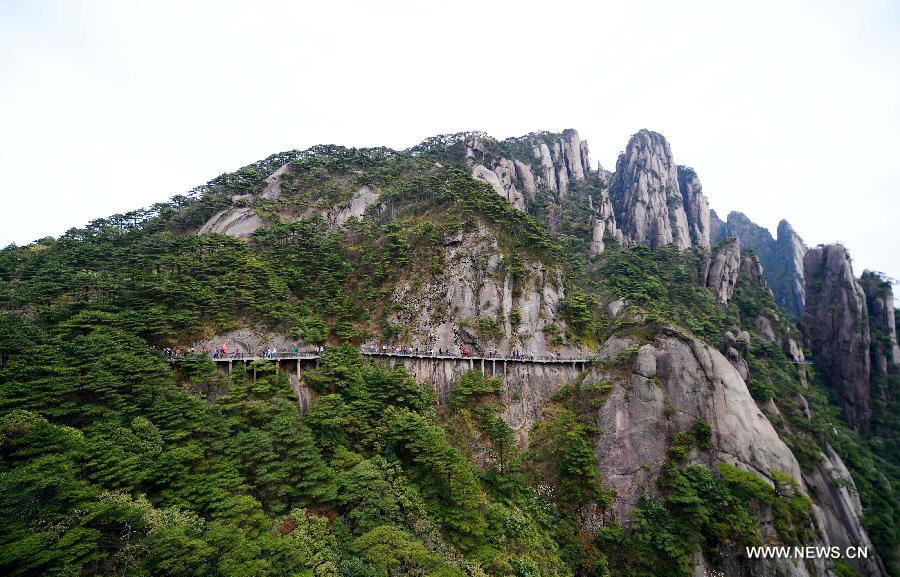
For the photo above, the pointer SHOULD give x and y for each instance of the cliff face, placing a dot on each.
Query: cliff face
(781, 257)
(836, 326)
(646, 194)
(788, 259)
(723, 270)
(882, 324)
(555, 162)
(695, 205)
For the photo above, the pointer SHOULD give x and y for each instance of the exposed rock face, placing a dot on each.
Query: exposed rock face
(695, 205)
(526, 177)
(603, 222)
(645, 192)
(765, 329)
(882, 324)
(838, 509)
(574, 155)
(561, 160)
(361, 200)
(789, 252)
(236, 222)
(836, 327)
(782, 258)
(548, 173)
(718, 229)
(724, 270)
(751, 266)
(445, 313)
(501, 180)
(272, 189)
(527, 388)
(699, 383)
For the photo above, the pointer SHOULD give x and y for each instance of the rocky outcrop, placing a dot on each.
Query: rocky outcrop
(603, 223)
(526, 177)
(501, 180)
(752, 267)
(555, 163)
(836, 328)
(272, 189)
(699, 383)
(361, 200)
(718, 229)
(781, 257)
(474, 288)
(236, 222)
(240, 220)
(724, 270)
(695, 206)
(548, 172)
(646, 195)
(838, 510)
(885, 353)
(789, 252)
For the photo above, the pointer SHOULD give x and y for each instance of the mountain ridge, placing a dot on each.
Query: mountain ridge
(701, 399)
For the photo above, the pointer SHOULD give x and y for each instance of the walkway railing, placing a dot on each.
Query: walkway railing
(396, 353)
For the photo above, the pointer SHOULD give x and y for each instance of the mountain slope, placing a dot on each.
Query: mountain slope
(695, 431)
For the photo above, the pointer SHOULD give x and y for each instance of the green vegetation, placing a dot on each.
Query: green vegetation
(114, 462)
(664, 283)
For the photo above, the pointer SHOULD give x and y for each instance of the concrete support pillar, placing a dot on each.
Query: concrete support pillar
(494, 368)
(482, 365)
(298, 370)
(229, 367)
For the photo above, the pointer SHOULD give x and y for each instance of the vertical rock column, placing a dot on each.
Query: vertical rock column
(646, 195)
(882, 324)
(836, 328)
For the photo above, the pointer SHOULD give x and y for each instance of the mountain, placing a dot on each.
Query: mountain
(531, 366)
(782, 256)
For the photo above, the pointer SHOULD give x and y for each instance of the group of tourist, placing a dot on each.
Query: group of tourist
(272, 353)
(463, 351)
(224, 352)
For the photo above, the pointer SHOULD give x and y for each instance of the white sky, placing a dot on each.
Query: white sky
(785, 109)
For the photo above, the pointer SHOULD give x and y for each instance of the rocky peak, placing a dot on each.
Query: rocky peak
(724, 269)
(695, 206)
(753, 268)
(789, 252)
(882, 323)
(836, 327)
(781, 257)
(646, 193)
(540, 159)
(501, 180)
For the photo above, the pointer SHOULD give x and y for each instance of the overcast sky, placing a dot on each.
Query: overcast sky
(785, 109)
